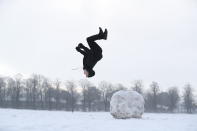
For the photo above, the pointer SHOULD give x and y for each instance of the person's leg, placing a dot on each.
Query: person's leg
(94, 46)
(99, 36)
(91, 40)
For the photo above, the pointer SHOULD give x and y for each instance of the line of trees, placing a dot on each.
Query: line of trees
(38, 92)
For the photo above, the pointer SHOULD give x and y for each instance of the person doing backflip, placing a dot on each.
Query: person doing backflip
(92, 55)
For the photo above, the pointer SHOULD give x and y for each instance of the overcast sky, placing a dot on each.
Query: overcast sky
(150, 40)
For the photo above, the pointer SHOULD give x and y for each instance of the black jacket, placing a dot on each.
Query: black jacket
(90, 60)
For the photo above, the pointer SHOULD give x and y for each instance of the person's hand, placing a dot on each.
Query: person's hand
(80, 45)
(77, 48)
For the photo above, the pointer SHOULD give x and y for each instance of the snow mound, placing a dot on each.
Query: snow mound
(127, 104)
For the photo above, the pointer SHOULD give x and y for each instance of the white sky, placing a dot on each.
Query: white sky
(151, 40)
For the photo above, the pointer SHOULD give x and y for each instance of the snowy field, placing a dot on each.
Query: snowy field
(28, 120)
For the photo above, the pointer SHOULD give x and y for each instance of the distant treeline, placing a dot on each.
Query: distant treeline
(38, 92)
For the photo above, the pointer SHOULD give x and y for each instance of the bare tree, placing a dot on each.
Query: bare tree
(72, 100)
(57, 94)
(188, 98)
(154, 91)
(173, 98)
(11, 91)
(38, 92)
(93, 95)
(2, 91)
(17, 90)
(41, 90)
(34, 82)
(138, 86)
(106, 93)
(32, 86)
(163, 101)
(47, 93)
(28, 93)
(84, 85)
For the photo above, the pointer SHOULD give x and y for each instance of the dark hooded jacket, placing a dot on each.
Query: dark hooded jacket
(90, 60)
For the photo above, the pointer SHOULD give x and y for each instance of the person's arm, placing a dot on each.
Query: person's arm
(80, 51)
(81, 46)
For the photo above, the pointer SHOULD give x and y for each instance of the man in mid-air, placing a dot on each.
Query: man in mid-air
(92, 55)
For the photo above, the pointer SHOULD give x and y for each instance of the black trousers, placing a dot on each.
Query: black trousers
(94, 47)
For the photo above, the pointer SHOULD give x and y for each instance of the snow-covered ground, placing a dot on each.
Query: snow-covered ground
(28, 120)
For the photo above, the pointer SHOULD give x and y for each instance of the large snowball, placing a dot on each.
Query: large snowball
(127, 104)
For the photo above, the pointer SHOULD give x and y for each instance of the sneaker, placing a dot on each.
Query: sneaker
(77, 48)
(100, 31)
(105, 34)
